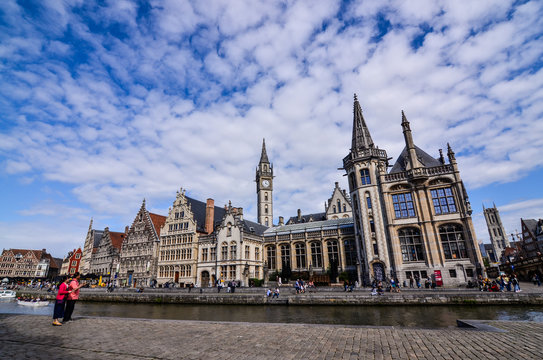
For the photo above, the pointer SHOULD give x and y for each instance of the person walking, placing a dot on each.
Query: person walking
(73, 296)
(60, 301)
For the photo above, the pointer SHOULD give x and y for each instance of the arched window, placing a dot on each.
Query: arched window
(350, 252)
(368, 200)
(266, 209)
(224, 251)
(411, 244)
(338, 205)
(270, 254)
(452, 239)
(285, 256)
(265, 196)
(229, 229)
(316, 254)
(344, 208)
(300, 255)
(334, 209)
(267, 222)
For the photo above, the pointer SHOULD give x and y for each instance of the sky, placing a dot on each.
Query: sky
(106, 103)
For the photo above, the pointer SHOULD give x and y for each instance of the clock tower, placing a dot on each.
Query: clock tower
(264, 189)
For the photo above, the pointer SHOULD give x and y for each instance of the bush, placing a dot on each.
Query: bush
(256, 282)
(344, 276)
(273, 276)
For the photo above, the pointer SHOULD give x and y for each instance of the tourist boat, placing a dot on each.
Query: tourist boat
(7, 294)
(33, 302)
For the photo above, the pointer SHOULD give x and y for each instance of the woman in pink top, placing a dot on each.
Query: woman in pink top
(73, 288)
(60, 301)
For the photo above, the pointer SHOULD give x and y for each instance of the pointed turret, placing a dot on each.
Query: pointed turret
(409, 144)
(450, 154)
(361, 135)
(264, 155)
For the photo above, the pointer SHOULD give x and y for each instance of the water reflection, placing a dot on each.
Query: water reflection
(408, 316)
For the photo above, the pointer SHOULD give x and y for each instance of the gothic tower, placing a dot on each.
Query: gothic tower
(498, 237)
(264, 188)
(363, 165)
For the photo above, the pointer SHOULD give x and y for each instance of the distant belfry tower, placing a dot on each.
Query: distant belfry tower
(498, 236)
(264, 188)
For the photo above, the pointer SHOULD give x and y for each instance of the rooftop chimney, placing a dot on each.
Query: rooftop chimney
(299, 215)
(210, 215)
(281, 221)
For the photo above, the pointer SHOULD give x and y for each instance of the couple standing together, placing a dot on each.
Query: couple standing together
(68, 293)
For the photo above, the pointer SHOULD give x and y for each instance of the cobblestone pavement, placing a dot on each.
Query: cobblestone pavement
(33, 337)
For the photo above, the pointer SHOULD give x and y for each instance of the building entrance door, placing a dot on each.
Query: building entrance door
(205, 279)
(378, 272)
(176, 278)
(130, 279)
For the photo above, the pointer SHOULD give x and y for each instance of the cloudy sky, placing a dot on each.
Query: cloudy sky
(103, 104)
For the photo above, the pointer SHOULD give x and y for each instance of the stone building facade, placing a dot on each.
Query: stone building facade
(106, 255)
(233, 252)
(178, 249)
(414, 220)
(92, 240)
(138, 258)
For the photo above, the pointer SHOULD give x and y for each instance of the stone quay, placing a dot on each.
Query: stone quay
(33, 337)
(530, 295)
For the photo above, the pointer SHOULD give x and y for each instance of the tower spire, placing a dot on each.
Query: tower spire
(361, 135)
(264, 155)
(409, 143)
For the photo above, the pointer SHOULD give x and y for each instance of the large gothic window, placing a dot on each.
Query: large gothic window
(452, 239)
(270, 254)
(316, 254)
(443, 201)
(350, 252)
(300, 255)
(403, 205)
(285, 256)
(411, 244)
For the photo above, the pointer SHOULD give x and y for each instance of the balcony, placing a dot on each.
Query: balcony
(419, 172)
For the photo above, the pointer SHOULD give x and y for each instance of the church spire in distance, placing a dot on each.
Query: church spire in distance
(264, 155)
(361, 135)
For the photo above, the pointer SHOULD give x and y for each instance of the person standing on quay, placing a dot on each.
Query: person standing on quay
(60, 301)
(73, 288)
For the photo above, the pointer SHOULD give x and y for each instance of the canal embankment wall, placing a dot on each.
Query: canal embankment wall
(289, 297)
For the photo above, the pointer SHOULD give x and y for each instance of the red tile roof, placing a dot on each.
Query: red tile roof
(158, 222)
(117, 239)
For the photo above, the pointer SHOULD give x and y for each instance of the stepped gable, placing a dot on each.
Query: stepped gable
(257, 228)
(198, 209)
(117, 239)
(158, 221)
(424, 158)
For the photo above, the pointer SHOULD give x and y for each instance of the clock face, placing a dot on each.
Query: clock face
(265, 183)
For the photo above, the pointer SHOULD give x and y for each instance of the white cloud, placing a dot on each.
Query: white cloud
(181, 96)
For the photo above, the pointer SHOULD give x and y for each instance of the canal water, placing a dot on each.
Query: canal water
(407, 316)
